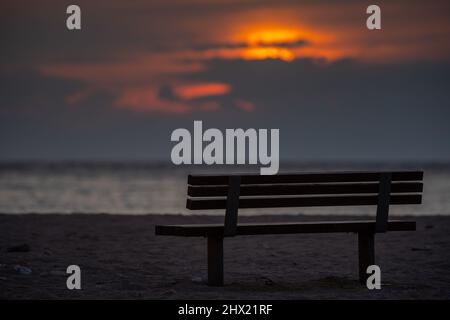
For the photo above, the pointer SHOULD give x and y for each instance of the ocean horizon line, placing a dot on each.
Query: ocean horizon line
(285, 165)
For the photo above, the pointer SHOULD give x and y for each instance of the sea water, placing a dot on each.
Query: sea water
(161, 189)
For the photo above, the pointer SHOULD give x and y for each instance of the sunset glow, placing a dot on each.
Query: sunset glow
(260, 53)
(272, 37)
(271, 42)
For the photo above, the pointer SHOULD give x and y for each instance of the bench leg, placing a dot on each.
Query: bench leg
(215, 261)
(366, 252)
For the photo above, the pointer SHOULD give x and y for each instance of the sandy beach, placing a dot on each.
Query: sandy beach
(120, 257)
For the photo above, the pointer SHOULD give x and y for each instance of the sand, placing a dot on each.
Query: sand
(121, 258)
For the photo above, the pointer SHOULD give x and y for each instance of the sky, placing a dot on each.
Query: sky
(137, 70)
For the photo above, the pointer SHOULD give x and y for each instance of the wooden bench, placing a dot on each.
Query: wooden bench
(231, 192)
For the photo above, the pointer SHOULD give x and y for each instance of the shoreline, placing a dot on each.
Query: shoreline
(121, 258)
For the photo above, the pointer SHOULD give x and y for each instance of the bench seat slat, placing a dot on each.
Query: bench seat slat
(207, 230)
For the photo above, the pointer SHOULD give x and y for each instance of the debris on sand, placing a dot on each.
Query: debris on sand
(197, 279)
(19, 248)
(22, 270)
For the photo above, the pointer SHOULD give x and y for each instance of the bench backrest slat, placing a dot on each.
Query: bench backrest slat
(305, 178)
(284, 202)
(232, 192)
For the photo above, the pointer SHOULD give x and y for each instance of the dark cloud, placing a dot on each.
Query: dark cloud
(345, 108)
(243, 45)
(339, 110)
(350, 108)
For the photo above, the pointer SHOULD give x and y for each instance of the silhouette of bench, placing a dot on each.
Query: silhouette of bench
(231, 192)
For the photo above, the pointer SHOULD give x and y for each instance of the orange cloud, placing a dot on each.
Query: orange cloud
(245, 105)
(79, 96)
(135, 83)
(130, 69)
(199, 90)
(148, 99)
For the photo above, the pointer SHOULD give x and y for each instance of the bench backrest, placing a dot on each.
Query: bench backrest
(232, 192)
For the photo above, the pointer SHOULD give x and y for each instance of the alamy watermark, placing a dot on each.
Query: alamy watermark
(74, 280)
(235, 146)
(374, 280)
(73, 21)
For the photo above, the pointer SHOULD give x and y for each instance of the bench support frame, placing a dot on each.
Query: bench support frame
(215, 261)
(231, 212)
(366, 254)
(298, 190)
